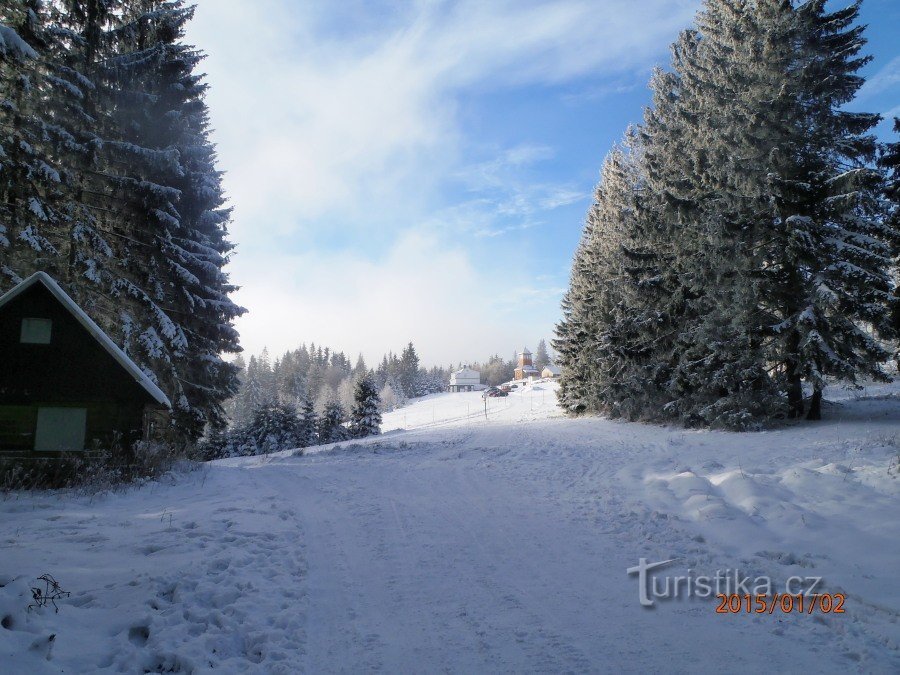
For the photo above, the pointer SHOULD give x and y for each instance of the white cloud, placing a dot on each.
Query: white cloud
(310, 126)
(421, 290)
(339, 121)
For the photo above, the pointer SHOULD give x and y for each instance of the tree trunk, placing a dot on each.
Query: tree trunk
(795, 385)
(795, 392)
(815, 406)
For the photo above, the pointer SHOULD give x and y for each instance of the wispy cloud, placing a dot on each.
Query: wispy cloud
(596, 92)
(422, 289)
(509, 200)
(341, 122)
(312, 124)
(886, 79)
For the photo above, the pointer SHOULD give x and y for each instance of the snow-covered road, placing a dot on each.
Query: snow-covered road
(435, 559)
(492, 546)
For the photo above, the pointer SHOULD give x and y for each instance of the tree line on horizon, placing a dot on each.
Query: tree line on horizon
(742, 247)
(313, 395)
(322, 376)
(274, 425)
(325, 378)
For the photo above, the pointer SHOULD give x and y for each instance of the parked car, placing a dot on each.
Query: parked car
(490, 391)
(504, 387)
(499, 392)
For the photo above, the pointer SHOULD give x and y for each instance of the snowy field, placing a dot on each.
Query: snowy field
(470, 544)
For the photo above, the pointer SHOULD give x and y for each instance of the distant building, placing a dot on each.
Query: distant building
(550, 371)
(526, 370)
(465, 379)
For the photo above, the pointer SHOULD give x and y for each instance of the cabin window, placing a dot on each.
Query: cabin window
(36, 331)
(60, 429)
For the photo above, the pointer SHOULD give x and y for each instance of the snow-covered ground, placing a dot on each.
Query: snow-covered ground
(529, 401)
(466, 544)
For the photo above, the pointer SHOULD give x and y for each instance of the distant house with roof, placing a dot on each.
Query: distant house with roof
(525, 368)
(65, 386)
(550, 371)
(465, 379)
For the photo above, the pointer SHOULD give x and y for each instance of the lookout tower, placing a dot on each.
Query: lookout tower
(525, 369)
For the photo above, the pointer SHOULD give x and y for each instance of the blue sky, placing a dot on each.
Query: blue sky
(421, 170)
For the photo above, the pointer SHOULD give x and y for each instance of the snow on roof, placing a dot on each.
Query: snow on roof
(111, 347)
(552, 368)
(464, 369)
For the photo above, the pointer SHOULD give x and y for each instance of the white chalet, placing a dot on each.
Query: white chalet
(465, 379)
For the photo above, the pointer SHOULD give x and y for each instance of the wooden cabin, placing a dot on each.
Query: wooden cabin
(65, 386)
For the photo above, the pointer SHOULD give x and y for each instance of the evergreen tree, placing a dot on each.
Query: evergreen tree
(29, 228)
(832, 266)
(236, 407)
(331, 424)
(273, 427)
(707, 154)
(736, 250)
(890, 162)
(49, 140)
(541, 356)
(307, 431)
(610, 344)
(360, 368)
(365, 418)
(408, 372)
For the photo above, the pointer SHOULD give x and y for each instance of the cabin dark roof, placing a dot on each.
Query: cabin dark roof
(102, 338)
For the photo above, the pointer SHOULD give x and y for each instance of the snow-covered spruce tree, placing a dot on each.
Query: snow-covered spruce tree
(541, 356)
(308, 430)
(756, 203)
(365, 418)
(612, 341)
(24, 173)
(251, 392)
(707, 143)
(408, 375)
(890, 162)
(331, 427)
(780, 251)
(48, 135)
(575, 341)
(273, 427)
(165, 164)
(832, 267)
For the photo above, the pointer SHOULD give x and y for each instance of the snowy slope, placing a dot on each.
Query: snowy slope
(528, 402)
(472, 545)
